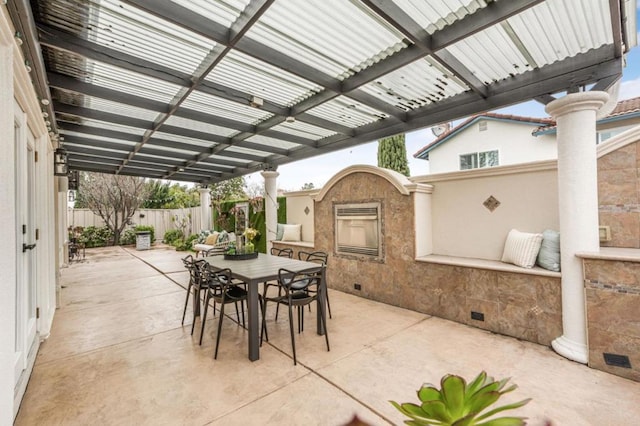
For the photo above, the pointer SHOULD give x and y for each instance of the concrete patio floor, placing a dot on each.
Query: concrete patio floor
(118, 355)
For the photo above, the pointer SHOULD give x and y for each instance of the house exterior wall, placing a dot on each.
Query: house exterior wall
(18, 100)
(463, 226)
(8, 251)
(513, 141)
(616, 125)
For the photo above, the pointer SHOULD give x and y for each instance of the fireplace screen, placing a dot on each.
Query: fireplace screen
(358, 229)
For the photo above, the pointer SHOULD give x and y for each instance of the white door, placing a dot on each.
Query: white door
(26, 303)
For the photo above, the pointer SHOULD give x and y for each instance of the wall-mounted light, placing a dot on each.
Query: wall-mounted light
(74, 180)
(60, 165)
(27, 65)
(44, 101)
(45, 114)
(290, 119)
(18, 36)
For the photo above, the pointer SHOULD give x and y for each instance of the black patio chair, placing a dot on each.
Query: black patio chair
(298, 290)
(320, 258)
(196, 284)
(223, 290)
(284, 252)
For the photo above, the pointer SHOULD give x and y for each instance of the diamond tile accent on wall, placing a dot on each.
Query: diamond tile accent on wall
(491, 203)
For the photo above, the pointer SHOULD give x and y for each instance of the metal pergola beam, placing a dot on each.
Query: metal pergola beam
(56, 39)
(247, 18)
(181, 157)
(581, 70)
(401, 21)
(200, 136)
(69, 84)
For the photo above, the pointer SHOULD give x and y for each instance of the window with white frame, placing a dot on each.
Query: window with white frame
(605, 135)
(479, 160)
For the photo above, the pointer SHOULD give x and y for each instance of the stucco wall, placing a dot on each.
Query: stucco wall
(463, 226)
(300, 209)
(513, 140)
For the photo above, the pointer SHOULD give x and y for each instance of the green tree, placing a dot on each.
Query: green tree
(230, 189)
(308, 185)
(183, 197)
(162, 195)
(392, 154)
(158, 195)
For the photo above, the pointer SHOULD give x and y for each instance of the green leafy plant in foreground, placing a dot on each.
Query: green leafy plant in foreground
(460, 404)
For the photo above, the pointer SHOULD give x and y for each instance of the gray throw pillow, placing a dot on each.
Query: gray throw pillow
(280, 232)
(549, 255)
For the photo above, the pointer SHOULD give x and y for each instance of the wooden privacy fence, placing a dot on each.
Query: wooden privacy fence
(162, 220)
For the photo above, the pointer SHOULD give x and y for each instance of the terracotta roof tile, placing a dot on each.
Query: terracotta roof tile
(627, 106)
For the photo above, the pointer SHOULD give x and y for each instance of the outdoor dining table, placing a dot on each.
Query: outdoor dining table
(261, 269)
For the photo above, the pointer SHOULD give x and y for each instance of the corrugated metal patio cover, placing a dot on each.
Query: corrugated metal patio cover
(206, 90)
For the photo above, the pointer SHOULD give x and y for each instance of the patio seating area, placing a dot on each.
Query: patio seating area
(118, 354)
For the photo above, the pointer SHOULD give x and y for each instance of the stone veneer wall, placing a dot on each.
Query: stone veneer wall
(612, 287)
(520, 305)
(613, 313)
(618, 195)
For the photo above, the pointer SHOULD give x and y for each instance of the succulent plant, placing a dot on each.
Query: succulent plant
(460, 404)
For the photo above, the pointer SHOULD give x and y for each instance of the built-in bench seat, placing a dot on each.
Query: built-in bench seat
(494, 265)
(305, 244)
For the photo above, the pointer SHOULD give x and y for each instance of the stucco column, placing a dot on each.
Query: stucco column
(575, 115)
(270, 205)
(205, 209)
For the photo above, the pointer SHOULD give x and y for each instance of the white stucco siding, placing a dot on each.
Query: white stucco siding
(513, 140)
(28, 199)
(300, 209)
(463, 227)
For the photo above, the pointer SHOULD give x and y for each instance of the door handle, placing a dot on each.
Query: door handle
(26, 247)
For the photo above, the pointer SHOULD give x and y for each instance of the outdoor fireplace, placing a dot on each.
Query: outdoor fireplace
(358, 229)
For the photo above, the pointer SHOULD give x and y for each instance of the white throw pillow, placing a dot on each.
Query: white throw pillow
(291, 232)
(521, 248)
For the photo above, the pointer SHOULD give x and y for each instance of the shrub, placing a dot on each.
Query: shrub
(184, 245)
(128, 237)
(96, 237)
(171, 236)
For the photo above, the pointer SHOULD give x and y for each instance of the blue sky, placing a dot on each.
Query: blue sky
(320, 169)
